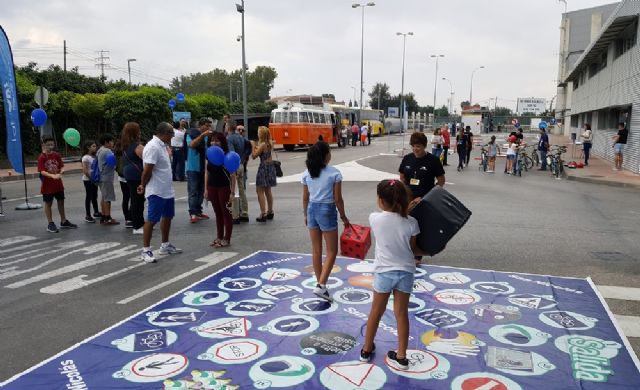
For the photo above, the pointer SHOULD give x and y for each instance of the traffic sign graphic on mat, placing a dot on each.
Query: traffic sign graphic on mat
(256, 324)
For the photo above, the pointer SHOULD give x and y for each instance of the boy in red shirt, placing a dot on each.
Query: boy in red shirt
(50, 168)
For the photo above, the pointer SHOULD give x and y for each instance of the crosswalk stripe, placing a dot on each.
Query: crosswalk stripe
(630, 325)
(617, 292)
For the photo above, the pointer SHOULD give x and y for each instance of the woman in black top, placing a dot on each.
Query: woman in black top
(420, 170)
(220, 189)
(132, 172)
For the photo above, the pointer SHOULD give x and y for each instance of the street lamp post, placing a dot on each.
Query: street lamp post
(129, 61)
(245, 115)
(565, 5)
(402, 110)
(363, 6)
(450, 99)
(471, 88)
(435, 84)
(354, 95)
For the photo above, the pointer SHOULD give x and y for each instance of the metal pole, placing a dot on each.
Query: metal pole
(471, 88)
(129, 69)
(230, 91)
(245, 115)
(361, 67)
(402, 129)
(64, 42)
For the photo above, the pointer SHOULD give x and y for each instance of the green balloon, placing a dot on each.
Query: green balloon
(72, 137)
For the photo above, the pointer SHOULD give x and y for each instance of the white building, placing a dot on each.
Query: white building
(600, 84)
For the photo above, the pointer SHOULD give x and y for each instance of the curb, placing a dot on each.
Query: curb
(17, 177)
(609, 183)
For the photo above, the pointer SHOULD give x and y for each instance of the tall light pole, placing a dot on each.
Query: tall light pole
(471, 88)
(404, 47)
(354, 95)
(451, 98)
(245, 115)
(565, 5)
(435, 84)
(129, 61)
(363, 6)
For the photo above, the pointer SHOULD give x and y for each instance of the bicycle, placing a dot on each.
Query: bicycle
(555, 162)
(535, 158)
(526, 160)
(518, 164)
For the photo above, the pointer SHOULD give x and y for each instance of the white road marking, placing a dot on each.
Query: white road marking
(630, 325)
(120, 252)
(182, 198)
(27, 246)
(63, 246)
(15, 240)
(209, 261)
(617, 292)
(351, 171)
(78, 282)
(22, 198)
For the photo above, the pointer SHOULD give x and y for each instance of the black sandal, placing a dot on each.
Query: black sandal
(262, 218)
(270, 215)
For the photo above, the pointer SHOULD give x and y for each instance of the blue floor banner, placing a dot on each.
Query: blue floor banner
(256, 324)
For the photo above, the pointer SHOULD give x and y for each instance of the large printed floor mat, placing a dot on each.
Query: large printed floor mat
(257, 324)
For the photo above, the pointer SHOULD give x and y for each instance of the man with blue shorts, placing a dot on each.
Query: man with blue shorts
(157, 187)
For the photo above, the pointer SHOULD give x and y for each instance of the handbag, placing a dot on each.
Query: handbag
(278, 165)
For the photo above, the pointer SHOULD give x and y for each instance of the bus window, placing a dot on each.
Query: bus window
(278, 118)
(316, 118)
(304, 117)
(322, 118)
(273, 117)
(293, 117)
(285, 117)
(333, 119)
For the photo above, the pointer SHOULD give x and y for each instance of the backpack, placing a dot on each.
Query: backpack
(94, 175)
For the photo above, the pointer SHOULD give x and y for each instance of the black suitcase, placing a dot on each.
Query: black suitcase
(440, 216)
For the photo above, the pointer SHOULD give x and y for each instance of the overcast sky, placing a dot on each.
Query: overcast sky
(313, 45)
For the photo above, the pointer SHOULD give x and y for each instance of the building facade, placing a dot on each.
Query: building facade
(600, 84)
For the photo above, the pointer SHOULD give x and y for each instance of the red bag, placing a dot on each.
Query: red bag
(355, 241)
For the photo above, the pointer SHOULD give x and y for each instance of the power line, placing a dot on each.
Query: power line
(101, 62)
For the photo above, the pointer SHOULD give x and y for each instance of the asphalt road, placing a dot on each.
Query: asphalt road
(58, 289)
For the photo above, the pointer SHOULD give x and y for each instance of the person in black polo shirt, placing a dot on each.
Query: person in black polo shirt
(420, 170)
(619, 141)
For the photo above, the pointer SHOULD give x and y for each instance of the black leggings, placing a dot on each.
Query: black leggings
(136, 212)
(91, 197)
(125, 201)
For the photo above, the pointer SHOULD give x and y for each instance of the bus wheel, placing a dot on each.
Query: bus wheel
(288, 147)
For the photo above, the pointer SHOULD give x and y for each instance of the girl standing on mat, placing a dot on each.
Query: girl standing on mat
(395, 232)
(321, 195)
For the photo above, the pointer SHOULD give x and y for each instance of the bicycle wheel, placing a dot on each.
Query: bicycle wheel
(528, 163)
(536, 158)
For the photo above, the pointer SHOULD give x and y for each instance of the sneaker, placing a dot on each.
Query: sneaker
(68, 225)
(97, 215)
(202, 216)
(490, 171)
(395, 362)
(138, 231)
(109, 221)
(89, 219)
(52, 228)
(244, 218)
(365, 357)
(148, 257)
(323, 293)
(169, 249)
(236, 221)
(193, 219)
(128, 224)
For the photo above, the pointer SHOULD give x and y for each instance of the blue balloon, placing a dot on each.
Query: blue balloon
(38, 117)
(110, 160)
(215, 155)
(180, 97)
(542, 125)
(232, 162)
(172, 104)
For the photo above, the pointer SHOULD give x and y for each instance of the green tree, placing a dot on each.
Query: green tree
(89, 109)
(380, 91)
(502, 111)
(260, 83)
(465, 103)
(55, 79)
(442, 112)
(211, 106)
(148, 107)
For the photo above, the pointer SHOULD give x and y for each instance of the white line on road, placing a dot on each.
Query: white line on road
(617, 292)
(38, 252)
(21, 198)
(79, 281)
(630, 325)
(209, 261)
(27, 246)
(15, 240)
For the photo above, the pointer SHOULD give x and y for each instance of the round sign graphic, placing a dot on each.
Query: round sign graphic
(540, 365)
(153, 368)
(423, 365)
(361, 267)
(483, 380)
(309, 269)
(364, 281)
(235, 351)
(174, 317)
(422, 286)
(497, 314)
(313, 306)
(519, 335)
(353, 375)
(415, 304)
(332, 282)
(294, 325)
(327, 343)
(441, 318)
(281, 371)
(452, 342)
(239, 284)
(279, 274)
(492, 287)
(420, 272)
(145, 341)
(279, 292)
(567, 320)
(354, 296)
(204, 298)
(532, 301)
(456, 297)
(449, 278)
(221, 328)
(249, 307)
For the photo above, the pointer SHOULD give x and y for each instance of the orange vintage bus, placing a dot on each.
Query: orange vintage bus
(302, 126)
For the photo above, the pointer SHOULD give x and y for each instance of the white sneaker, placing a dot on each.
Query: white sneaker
(490, 171)
(138, 231)
(169, 249)
(322, 292)
(148, 257)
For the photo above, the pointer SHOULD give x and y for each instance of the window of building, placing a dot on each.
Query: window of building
(574, 121)
(603, 60)
(593, 69)
(603, 119)
(626, 40)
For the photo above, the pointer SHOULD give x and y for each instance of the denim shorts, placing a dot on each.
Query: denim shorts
(323, 216)
(511, 156)
(160, 208)
(386, 282)
(618, 148)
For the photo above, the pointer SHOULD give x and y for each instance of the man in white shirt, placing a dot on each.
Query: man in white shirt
(363, 134)
(177, 151)
(157, 187)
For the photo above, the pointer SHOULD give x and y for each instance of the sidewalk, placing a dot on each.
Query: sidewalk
(599, 171)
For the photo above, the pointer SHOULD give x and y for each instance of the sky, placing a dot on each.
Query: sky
(314, 45)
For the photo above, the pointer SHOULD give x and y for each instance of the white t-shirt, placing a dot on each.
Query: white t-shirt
(161, 182)
(393, 233)
(512, 149)
(87, 159)
(178, 138)
(363, 130)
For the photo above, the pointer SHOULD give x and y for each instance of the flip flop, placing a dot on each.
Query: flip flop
(215, 243)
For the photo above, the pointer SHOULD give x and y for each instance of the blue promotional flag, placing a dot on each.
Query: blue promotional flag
(10, 99)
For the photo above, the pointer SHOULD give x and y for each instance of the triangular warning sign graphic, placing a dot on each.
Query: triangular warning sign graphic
(355, 373)
(279, 275)
(236, 327)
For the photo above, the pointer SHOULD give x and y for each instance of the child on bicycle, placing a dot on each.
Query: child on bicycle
(492, 151)
(395, 233)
